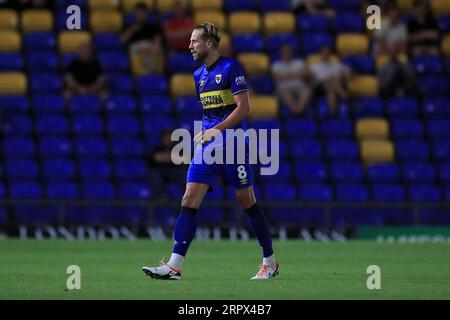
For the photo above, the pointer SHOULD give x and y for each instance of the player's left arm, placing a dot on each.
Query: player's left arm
(239, 113)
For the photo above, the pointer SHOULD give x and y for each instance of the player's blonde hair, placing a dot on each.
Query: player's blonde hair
(210, 32)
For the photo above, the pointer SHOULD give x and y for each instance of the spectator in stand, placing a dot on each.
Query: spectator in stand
(291, 77)
(143, 39)
(178, 28)
(84, 74)
(330, 78)
(316, 7)
(393, 33)
(423, 31)
(396, 77)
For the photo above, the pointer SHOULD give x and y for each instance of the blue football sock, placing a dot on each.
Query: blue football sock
(185, 229)
(260, 226)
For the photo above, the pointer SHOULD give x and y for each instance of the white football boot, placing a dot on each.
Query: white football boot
(163, 272)
(267, 271)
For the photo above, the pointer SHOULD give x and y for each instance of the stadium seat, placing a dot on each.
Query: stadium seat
(21, 169)
(58, 169)
(129, 5)
(8, 19)
(441, 150)
(39, 41)
(241, 5)
(278, 22)
(244, 22)
(383, 173)
(308, 127)
(55, 146)
(126, 147)
(348, 22)
(65, 3)
(153, 85)
(215, 16)
(352, 43)
(106, 21)
(407, 128)
(121, 103)
(382, 59)
(440, 7)
(51, 124)
(276, 41)
(206, 5)
(411, 150)
(315, 192)
(46, 62)
(95, 169)
(427, 65)
(11, 41)
(25, 190)
(87, 124)
(62, 190)
(361, 64)
(246, 43)
(341, 149)
(261, 84)
(263, 106)
(368, 107)
(388, 192)
(444, 23)
(182, 85)
(90, 147)
(119, 83)
(418, 172)
(347, 6)
(134, 191)
(188, 105)
(352, 192)
(306, 149)
(434, 86)
(156, 124)
(312, 23)
(12, 83)
(70, 41)
(346, 172)
(311, 171)
(11, 62)
(402, 107)
(363, 85)
(425, 192)
(438, 128)
(131, 169)
(14, 102)
(180, 62)
(155, 104)
(432, 216)
(444, 173)
(108, 41)
(436, 107)
(373, 151)
(19, 146)
(98, 190)
(313, 42)
(50, 103)
(36, 20)
(103, 4)
(336, 128)
(280, 191)
(114, 62)
(254, 63)
(46, 83)
(405, 5)
(84, 103)
(372, 128)
(17, 125)
(123, 125)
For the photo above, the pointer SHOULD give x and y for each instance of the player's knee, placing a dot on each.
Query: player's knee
(189, 200)
(245, 200)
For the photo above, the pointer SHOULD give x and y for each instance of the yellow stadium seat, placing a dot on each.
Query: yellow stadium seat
(372, 128)
(182, 85)
(206, 4)
(359, 86)
(214, 16)
(383, 59)
(314, 58)
(70, 41)
(13, 83)
(106, 21)
(405, 5)
(263, 106)
(103, 4)
(8, 19)
(377, 150)
(244, 22)
(278, 22)
(11, 41)
(167, 5)
(445, 46)
(352, 43)
(36, 20)
(440, 7)
(129, 5)
(254, 63)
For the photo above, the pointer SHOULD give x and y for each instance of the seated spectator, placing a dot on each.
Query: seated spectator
(396, 77)
(290, 75)
(313, 7)
(162, 168)
(423, 31)
(178, 28)
(143, 39)
(84, 74)
(393, 33)
(330, 78)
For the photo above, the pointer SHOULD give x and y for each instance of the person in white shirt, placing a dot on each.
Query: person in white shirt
(393, 33)
(290, 75)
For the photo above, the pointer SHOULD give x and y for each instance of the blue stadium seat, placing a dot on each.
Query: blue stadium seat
(188, 105)
(383, 172)
(354, 217)
(280, 191)
(39, 41)
(412, 150)
(14, 102)
(444, 172)
(85, 215)
(363, 64)
(346, 172)
(340, 149)
(265, 124)
(58, 169)
(4, 216)
(316, 192)
(424, 192)
(11, 62)
(352, 192)
(368, 107)
(334, 128)
(441, 150)
(45, 62)
(406, 128)
(433, 86)
(119, 83)
(388, 192)
(66, 59)
(126, 147)
(51, 124)
(279, 5)
(177, 62)
(63, 4)
(348, 22)
(439, 129)
(246, 43)
(312, 22)
(55, 146)
(303, 217)
(418, 172)
(21, 169)
(213, 216)
(301, 127)
(121, 103)
(46, 82)
(240, 5)
(19, 146)
(131, 169)
(312, 42)
(155, 104)
(323, 109)
(444, 23)
(447, 192)
(427, 65)
(35, 215)
(84, 103)
(62, 190)
(396, 216)
(311, 171)
(87, 124)
(433, 216)
(114, 61)
(128, 215)
(48, 103)
(121, 125)
(402, 107)
(95, 169)
(91, 147)
(276, 41)
(152, 85)
(98, 190)
(306, 149)
(25, 190)
(436, 107)
(154, 125)
(152, 17)
(284, 174)
(165, 216)
(17, 125)
(108, 41)
(346, 6)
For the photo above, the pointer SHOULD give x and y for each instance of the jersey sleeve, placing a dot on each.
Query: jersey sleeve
(236, 77)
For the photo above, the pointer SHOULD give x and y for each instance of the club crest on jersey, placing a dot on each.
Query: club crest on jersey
(218, 78)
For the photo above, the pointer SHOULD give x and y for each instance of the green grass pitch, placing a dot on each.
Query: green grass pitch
(220, 270)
